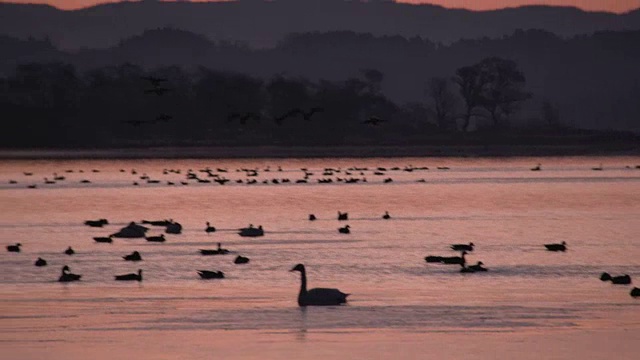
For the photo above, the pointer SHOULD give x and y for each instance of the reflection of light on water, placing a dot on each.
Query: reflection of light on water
(301, 335)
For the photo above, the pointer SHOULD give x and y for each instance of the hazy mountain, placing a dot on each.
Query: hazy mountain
(260, 23)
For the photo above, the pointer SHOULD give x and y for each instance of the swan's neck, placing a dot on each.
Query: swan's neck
(303, 283)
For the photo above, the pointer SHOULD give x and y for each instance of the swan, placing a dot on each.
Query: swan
(69, 251)
(386, 215)
(66, 276)
(556, 247)
(462, 247)
(41, 262)
(618, 280)
(14, 248)
(209, 228)
(134, 256)
(156, 238)
(635, 292)
(317, 296)
(206, 274)
(130, 277)
(241, 260)
(344, 230)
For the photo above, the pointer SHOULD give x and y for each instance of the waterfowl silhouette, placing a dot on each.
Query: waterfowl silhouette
(241, 260)
(251, 231)
(455, 260)
(556, 247)
(386, 215)
(134, 256)
(156, 238)
(536, 168)
(312, 217)
(66, 276)
(317, 296)
(157, 222)
(343, 216)
(635, 292)
(40, 262)
(174, 228)
(618, 280)
(478, 267)
(597, 168)
(96, 223)
(433, 259)
(14, 248)
(462, 247)
(344, 230)
(209, 228)
(108, 239)
(130, 277)
(69, 251)
(131, 231)
(206, 274)
(218, 251)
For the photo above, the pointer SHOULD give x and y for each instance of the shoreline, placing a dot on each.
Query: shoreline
(240, 152)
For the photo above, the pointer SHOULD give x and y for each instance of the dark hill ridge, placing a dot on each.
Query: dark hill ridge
(263, 24)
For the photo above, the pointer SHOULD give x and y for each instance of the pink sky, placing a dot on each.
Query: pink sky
(594, 5)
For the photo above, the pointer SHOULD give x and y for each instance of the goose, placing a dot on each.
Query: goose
(130, 277)
(14, 248)
(618, 280)
(455, 260)
(343, 216)
(40, 262)
(66, 276)
(344, 230)
(209, 228)
(219, 251)
(156, 238)
(556, 247)
(635, 292)
(462, 247)
(206, 274)
(386, 215)
(69, 251)
(134, 256)
(107, 239)
(312, 217)
(317, 296)
(241, 260)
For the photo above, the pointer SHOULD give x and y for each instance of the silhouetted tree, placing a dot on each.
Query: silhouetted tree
(443, 101)
(471, 81)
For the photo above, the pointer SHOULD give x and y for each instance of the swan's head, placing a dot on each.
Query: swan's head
(18, 244)
(136, 253)
(564, 243)
(471, 244)
(65, 268)
(480, 263)
(298, 267)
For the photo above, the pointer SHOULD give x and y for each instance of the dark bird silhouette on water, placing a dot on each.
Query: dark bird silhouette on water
(96, 223)
(386, 215)
(69, 251)
(556, 247)
(155, 82)
(373, 121)
(130, 277)
(343, 216)
(40, 262)
(209, 228)
(66, 276)
(107, 239)
(344, 230)
(14, 248)
(462, 247)
(241, 260)
(134, 256)
(317, 296)
(206, 274)
(312, 217)
(618, 280)
(635, 292)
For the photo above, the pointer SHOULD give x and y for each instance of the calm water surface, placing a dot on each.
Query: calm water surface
(502, 206)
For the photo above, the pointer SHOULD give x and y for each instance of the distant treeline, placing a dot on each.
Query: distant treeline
(589, 81)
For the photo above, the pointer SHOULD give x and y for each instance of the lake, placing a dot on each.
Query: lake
(532, 303)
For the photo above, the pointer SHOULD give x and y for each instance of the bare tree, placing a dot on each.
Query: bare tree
(443, 101)
(471, 82)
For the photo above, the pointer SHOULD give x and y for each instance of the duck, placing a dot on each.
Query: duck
(219, 251)
(462, 247)
(343, 216)
(107, 239)
(478, 267)
(40, 262)
(156, 238)
(206, 274)
(344, 230)
(96, 223)
(241, 260)
(130, 277)
(251, 231)
(635, 292)
(69, 251)
(134, 256)
(209, 228)
(317, 296)
(312, 217)
(14, 248)
(66, 276)
(618, 280)
(556, 247)
(455, 260)
(386, 215)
